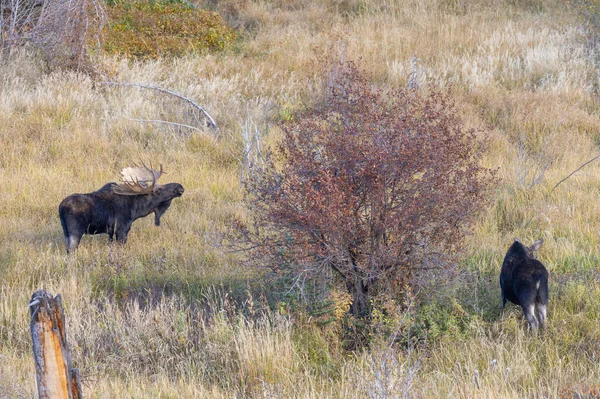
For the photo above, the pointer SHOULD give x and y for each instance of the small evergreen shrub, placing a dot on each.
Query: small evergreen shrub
(149, 29)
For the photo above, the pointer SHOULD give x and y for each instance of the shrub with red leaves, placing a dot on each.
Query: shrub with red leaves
(366, 185)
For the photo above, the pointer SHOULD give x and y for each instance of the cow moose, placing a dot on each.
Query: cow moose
(114, 207)
(524, 282)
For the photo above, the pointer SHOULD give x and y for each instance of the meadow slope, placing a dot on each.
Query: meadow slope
(159, 318)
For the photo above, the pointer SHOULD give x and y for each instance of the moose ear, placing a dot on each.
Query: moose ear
(536, 245)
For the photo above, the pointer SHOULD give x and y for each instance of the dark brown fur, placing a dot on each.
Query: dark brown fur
(104, 211)
(524, 281)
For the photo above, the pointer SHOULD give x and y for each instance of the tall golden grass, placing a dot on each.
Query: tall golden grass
(158, 318)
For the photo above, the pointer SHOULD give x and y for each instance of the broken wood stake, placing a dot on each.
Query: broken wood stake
(56, 379)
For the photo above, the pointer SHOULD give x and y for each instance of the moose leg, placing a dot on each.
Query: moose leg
(71, 233)
(502, 290)
(541, 299)
(110, 230)
(122, 232)
(72, 237)
(526, 290)
(72, 242)
(529, 311)
(541, 313)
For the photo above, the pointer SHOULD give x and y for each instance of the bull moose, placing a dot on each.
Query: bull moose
(524, 281)
(114, 207)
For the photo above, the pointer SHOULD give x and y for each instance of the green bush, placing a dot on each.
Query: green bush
(149, 29)
(441, 319)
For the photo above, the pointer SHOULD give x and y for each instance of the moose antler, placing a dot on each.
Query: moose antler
(136, 180)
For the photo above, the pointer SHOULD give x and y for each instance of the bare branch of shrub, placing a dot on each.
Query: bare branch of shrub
(211, 123)
(167, 123)
(252, 160)
(576, 170)
(541, 163)
(416, 75)
(61, 29)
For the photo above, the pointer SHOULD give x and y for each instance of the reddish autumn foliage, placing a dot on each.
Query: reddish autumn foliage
(366, 185)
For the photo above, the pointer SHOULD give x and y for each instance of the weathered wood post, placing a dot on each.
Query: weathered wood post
(56, 379)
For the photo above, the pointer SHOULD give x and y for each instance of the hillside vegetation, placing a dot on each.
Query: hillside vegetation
(173, 314)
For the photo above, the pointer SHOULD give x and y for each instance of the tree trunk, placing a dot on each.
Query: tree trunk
(56, 379)
(360, 297)
(358, 287)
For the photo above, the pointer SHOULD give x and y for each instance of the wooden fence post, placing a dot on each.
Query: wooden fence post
(56, 379)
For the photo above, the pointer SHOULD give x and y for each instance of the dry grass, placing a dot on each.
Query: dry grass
(145, 321)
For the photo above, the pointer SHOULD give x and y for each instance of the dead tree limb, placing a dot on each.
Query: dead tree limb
(160, 121)
(56, 379)
(211, 122)
(576, 170)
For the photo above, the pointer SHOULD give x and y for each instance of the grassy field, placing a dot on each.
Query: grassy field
(173, 315)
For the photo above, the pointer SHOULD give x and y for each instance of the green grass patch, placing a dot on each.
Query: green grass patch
(152, 29)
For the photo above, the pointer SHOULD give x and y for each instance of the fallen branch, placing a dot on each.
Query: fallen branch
(576, 170)
(211, 121)
(166, 123)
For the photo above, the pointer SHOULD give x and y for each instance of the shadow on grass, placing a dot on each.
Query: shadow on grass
(148, 280)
